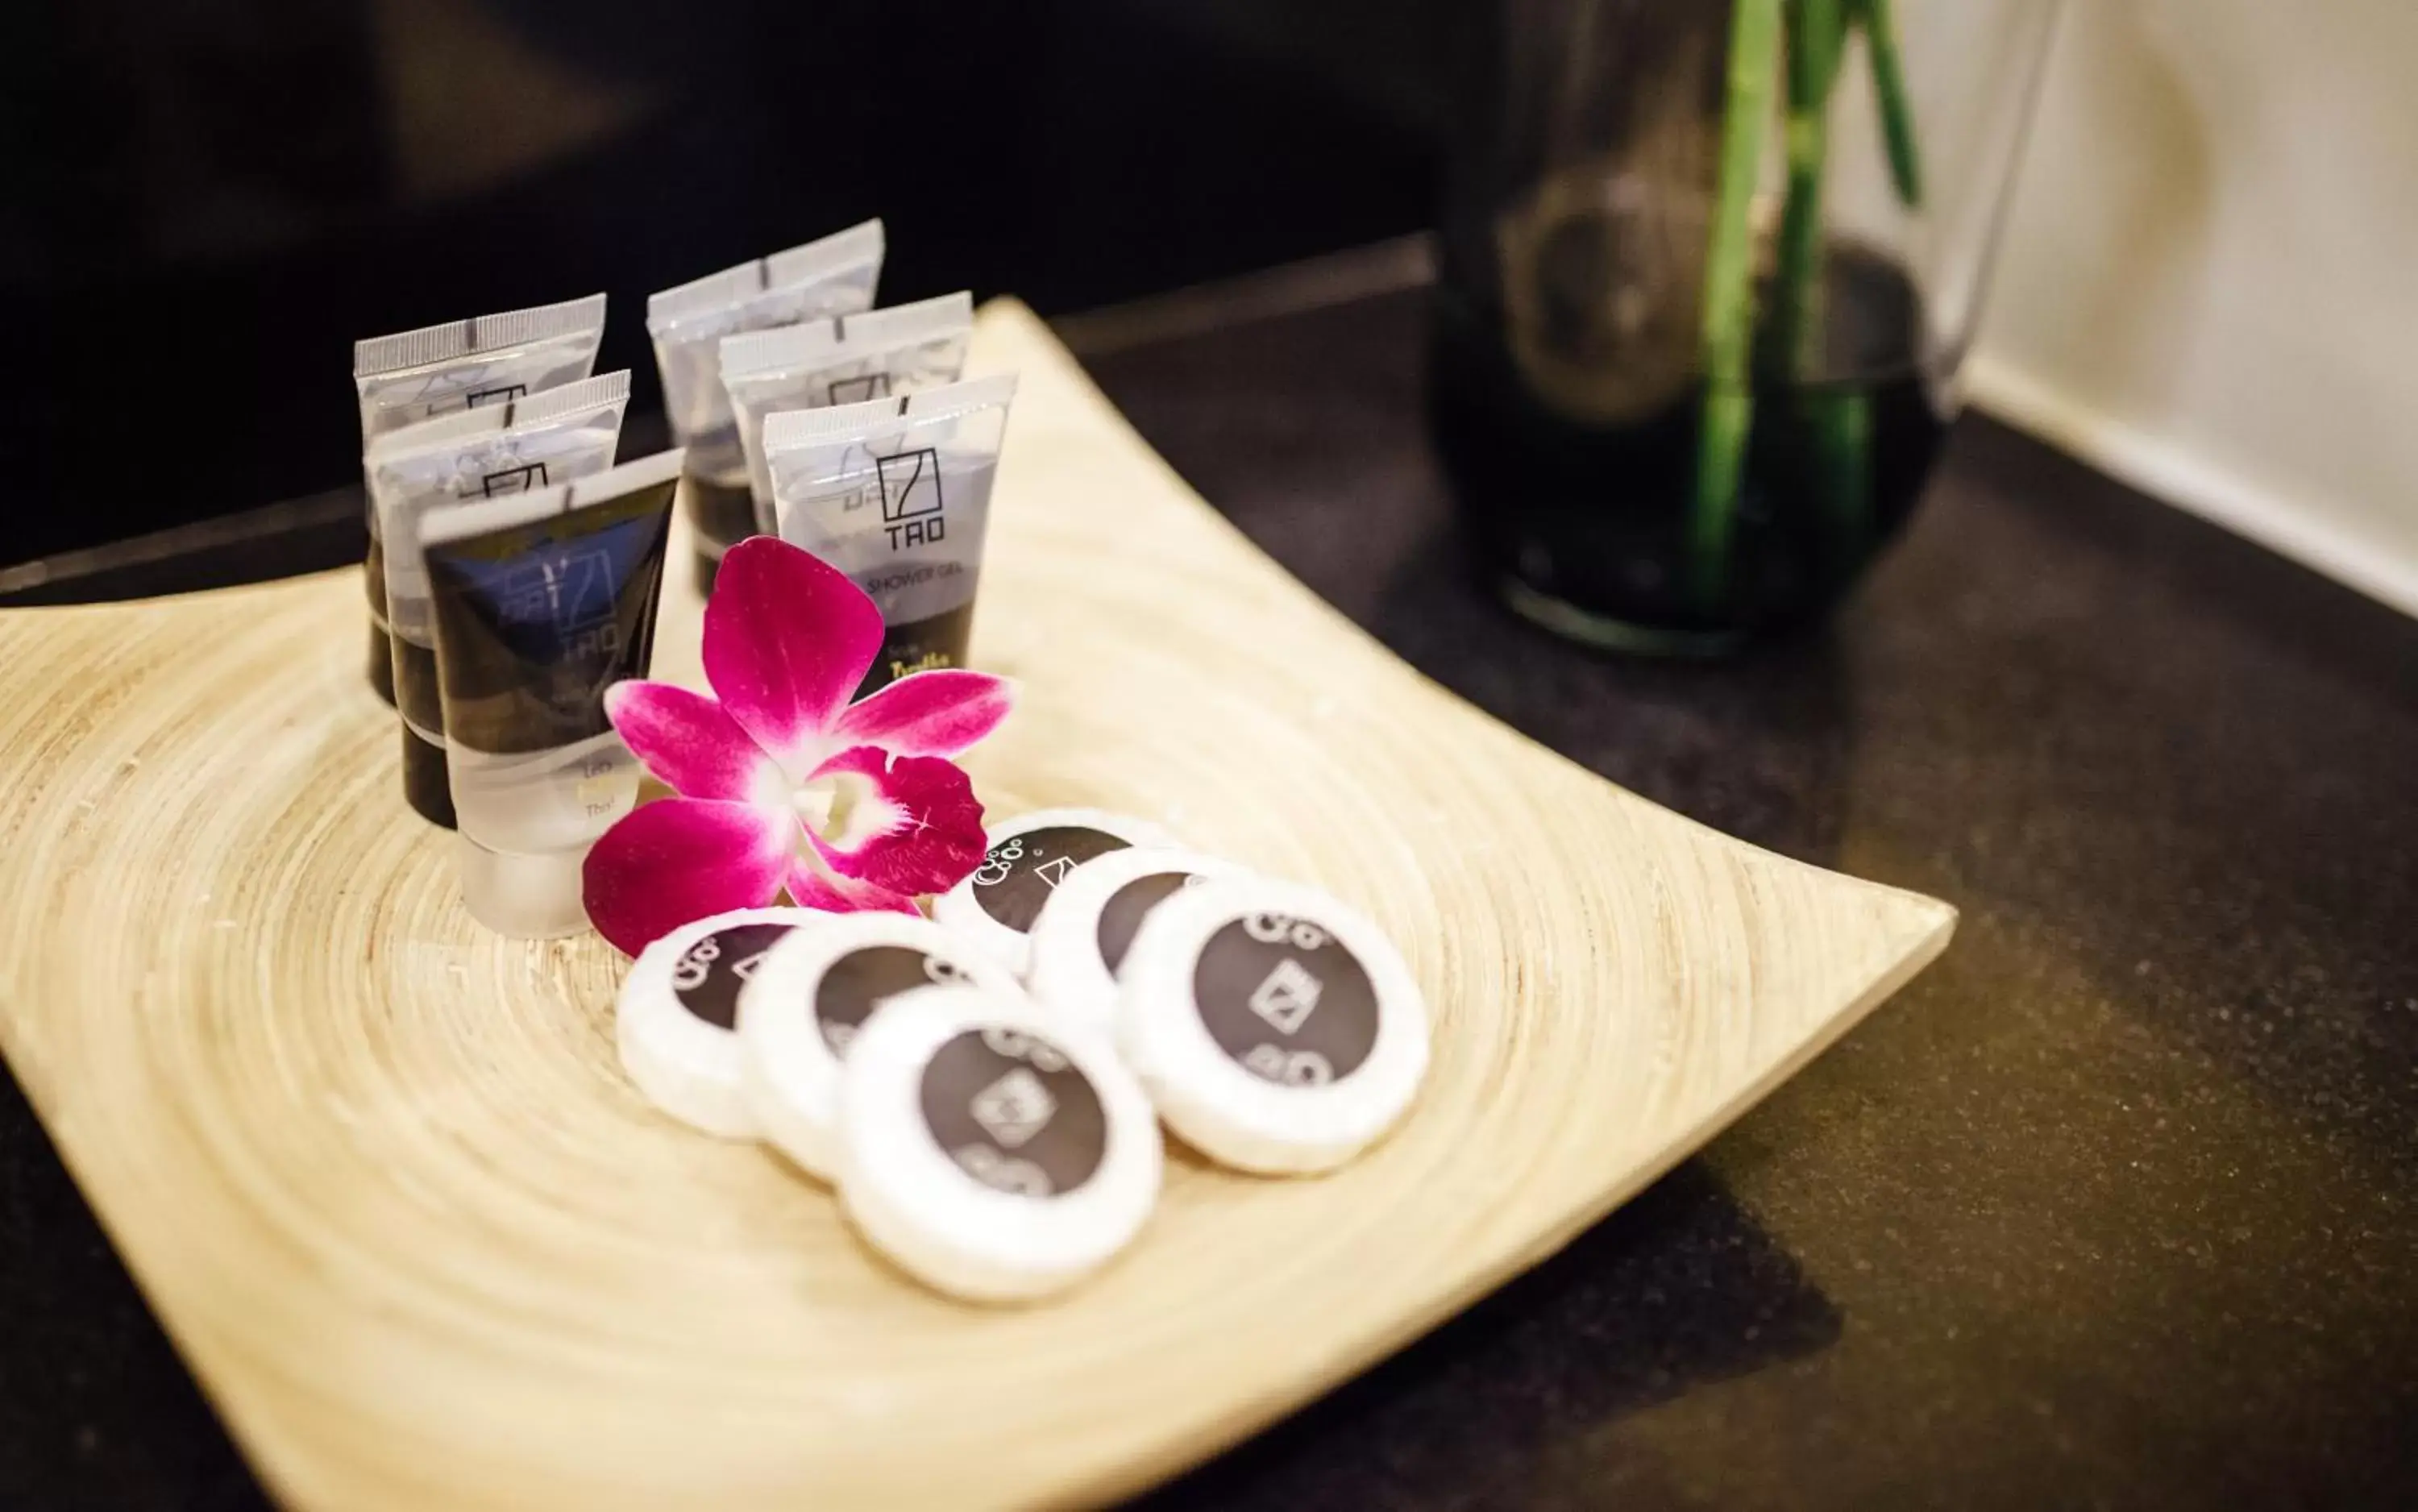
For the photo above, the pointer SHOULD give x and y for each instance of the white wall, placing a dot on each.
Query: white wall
(2209, 286)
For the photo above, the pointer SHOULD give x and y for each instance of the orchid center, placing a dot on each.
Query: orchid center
(815, 802)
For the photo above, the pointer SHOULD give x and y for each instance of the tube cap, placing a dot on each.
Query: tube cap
(521, 894)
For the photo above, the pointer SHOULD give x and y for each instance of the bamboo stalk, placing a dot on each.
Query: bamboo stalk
(1843, 437)
(1817, 39)
(1729, 298)
(1837, 425)
(1889, 84)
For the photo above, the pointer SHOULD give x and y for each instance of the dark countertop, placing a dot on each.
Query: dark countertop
(2114, 1206)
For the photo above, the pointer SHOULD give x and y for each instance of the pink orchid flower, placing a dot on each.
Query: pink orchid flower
(783, 782)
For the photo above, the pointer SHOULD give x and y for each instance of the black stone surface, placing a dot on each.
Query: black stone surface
(2113, 1207)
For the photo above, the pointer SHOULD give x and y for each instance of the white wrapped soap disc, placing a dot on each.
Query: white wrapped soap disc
(1089, 923)
(674, 1019)
(1027, 857)
(1277, 1030)
(992, 1150)
(812, 994)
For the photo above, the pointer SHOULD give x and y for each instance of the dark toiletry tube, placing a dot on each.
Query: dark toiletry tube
(833, 276)
(543, 600)
(552, 438)
(842, 360)
(414, 375)
(896, 495)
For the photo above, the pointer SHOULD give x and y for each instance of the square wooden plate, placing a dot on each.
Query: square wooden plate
(379, 1174)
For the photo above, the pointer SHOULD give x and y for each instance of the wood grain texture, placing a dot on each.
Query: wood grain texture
(380, 1175)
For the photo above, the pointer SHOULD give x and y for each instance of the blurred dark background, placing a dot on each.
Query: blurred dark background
(204, 202)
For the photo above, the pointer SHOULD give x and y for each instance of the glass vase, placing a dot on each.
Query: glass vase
(1709, 271)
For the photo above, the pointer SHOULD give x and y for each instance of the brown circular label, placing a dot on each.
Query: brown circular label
(856, 983)
(709, 974)
(1286, 1000)
(1018, 875)
(1121, 917)
(1014, 1114)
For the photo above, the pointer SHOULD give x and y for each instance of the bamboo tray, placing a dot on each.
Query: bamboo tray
(380, 1176)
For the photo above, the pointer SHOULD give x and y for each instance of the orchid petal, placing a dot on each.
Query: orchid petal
(911, 825)
(927, 713)
(693, 745)
(787, 640)
(678, 860)
(815, 886)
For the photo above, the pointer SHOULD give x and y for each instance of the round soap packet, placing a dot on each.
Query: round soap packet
(1087, 926)
(805, 1005)
(992, 1150)
(1027, 858)
(675, 1017)
(1277, 1030)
